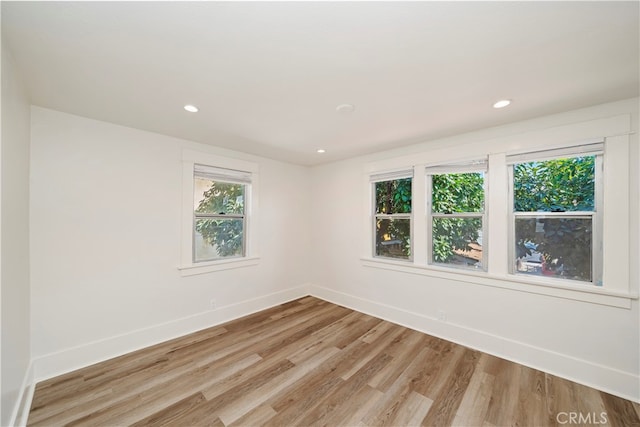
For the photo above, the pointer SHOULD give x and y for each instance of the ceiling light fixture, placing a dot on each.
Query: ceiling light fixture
(345, 108)
(191, 108)
(502, 103)
(321, 150)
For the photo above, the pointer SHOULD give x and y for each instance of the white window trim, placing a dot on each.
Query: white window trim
(533, 285)
(390, 176)
(474, 166)
(588, 149)
(189, 159)
(615, 131)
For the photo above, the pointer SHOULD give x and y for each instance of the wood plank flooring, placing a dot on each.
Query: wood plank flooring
(309, 362)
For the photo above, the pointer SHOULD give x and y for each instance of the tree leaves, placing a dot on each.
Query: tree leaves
(450, 194)
(457, 192)
(393, 197)
(559, 185)
(226, 235)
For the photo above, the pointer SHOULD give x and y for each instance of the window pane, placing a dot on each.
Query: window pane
(457, 241)
(555, 247)
(457, 192)
(393, 197)
(393, 238)
(557, 185)
(218, 197)
(218, 238)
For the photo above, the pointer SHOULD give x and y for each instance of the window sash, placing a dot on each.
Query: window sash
(392, 217)
(382, 177)
(230, 176)
(478, 166)
(597, 150)
(432, 261)
(218, 216)
(473, 166)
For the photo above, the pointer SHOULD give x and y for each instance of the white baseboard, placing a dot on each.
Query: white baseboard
(610, 380)
(20, 412)
(54, 364)
(607, 379)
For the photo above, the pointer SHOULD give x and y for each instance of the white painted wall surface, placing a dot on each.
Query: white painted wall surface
(106, 232)
(14, 248)
(105, 247)
(591, 343)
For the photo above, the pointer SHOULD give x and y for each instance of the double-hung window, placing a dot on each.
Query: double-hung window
(220, 210)
(556, 210)
(219, 213)
(456, 215)
(392, 226)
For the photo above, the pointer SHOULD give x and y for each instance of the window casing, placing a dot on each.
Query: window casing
(219, 214)
(613, 227)
(456, 215)
(237, 216)
(392, 215)
(556, 213)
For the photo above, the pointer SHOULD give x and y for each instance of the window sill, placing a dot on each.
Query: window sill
(213, 266)
(576, 292)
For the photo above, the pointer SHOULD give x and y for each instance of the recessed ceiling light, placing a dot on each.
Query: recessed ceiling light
(191, 108)
(502, 103)
(345, 108)
(321, 150)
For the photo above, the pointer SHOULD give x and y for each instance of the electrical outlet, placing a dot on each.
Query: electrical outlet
(212, 304)
(442, 315)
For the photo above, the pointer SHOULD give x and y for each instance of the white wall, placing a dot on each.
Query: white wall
(105, 247)
(14, 226)
(106, 234)
(595, 344)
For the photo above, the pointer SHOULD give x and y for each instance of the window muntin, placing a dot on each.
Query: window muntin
(456, 216)
(219, 213)
(392, 218)
(555, 218)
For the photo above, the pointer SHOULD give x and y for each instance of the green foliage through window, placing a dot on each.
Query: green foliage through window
(393, 197)
(559, 185)
(393, 223)
(219, 219)
(561, 245)
(457, 192)
(457, 239)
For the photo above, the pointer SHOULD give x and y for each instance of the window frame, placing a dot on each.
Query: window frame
(615, 130)
(597, 256)
(187, 265)
(474, 166)
(384, 177)
(227, 176)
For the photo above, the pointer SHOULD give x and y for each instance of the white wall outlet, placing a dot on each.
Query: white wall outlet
(442, 315)
(212, 304)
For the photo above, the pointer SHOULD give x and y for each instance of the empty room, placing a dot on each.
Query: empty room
(320, 213)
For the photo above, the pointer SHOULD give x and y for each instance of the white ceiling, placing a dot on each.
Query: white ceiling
(267, 76)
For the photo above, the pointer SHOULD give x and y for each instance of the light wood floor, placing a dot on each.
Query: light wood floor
(310, 362)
